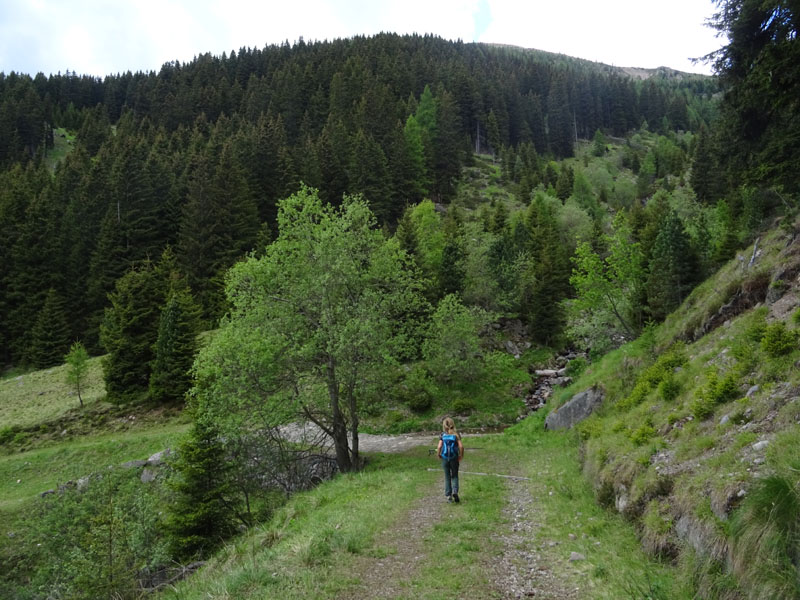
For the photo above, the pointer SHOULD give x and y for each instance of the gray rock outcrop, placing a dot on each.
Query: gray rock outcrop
(579, 407)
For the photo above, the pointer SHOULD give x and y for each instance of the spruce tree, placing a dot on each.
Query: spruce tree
(202, 515)
(175, 348)
(673, 268)
(50, 335)
(129, 331)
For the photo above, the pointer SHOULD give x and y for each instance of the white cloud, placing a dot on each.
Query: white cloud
(105, 36)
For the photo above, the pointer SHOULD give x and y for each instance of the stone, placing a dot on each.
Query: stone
(133, 464)
(572, 536)
(578, 408)
(752, 390)
(724, 420)
(46, 493)
(148, 475)
(82, 483)
(576, 556)
(158, 457)
(758, 446)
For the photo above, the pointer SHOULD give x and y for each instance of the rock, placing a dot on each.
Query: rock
(46, 493)
(158, 458)
(578, 408)
(752, 391)
(576, 556)
(83, 483)
(572, 536)
(724, 419)
(148, 475)
(758, 446)
(133, 464)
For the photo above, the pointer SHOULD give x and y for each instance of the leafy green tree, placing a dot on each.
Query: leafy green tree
(599, 143)
(759, 127)
(312, 322)
(452, 345)
(608, 291)
(77, 360)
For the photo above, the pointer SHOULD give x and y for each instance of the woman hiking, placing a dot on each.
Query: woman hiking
(451, 451)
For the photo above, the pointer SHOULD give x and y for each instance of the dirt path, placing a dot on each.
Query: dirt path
(516, 569)
(389, 576)
(521, 571)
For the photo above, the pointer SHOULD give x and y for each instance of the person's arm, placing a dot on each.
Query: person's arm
(460, 449)
(439, 449)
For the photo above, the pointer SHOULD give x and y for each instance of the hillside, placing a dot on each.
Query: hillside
(696, 440)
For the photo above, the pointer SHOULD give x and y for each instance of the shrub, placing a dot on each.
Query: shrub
(415, 390)
(463, 405)
(669, 389)
(796, 317)
(642, 434)
(714, 392)
(778, 340)
(576, 366)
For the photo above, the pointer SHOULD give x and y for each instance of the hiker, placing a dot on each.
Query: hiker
(451, 451)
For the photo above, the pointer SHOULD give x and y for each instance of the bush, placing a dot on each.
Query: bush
(576, 367)
(415, 391)
(463, 406)
(777, 340)
(669, 389)
(642, 434)
(714, 392)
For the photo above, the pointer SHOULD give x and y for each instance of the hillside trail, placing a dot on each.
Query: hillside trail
(511, 562)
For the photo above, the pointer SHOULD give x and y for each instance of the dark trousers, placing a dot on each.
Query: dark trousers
(450, 476)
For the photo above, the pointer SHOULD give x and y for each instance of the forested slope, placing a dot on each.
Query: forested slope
(196, 156)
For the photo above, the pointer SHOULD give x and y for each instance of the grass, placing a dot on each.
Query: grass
(63, 143)
(35, 397)
(326, 542)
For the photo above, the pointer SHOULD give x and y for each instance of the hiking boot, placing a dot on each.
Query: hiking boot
(455, 498)
(449, 498)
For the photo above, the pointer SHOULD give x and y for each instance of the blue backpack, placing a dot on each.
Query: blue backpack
(449, 446)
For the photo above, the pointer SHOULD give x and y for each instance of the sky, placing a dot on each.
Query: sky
(101, 37)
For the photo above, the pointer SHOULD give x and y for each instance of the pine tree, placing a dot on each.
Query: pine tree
(673, 268)
(49, 338)
(175, 348)
(202, 515)
(129, 331)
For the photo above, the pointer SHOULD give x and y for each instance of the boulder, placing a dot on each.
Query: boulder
(158, 458)
(579, 407)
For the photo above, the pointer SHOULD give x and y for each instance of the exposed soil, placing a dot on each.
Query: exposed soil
(388, 577)
(522, 571)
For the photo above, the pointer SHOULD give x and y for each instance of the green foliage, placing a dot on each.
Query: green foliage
(416, 389)
(766, 528)
(313, 324)
(777, 340)
(175, 347)
(77, 360)
(669, 389)
(50, 334)
(608, 291)
(642, 434)
(653, 376)
(452, 347)
(715, 391)
(203, 512)
(113, 532)
(463, 406)
(129, 331)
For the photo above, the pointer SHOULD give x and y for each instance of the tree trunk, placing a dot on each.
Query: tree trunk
(338, 425)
